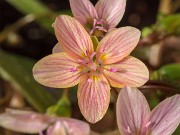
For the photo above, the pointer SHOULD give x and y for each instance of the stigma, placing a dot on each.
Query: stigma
(99, 27)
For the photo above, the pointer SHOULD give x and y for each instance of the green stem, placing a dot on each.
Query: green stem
(158, 85)
(165, 7)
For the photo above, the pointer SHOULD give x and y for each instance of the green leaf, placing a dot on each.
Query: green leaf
(146, 31)
(169, 73)
(177, 132)
(170, 24)
(62, 108)
(165, 25)
(18, 71)
(45, 16)
(29, 6)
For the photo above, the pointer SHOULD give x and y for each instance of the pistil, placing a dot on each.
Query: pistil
(99, 27)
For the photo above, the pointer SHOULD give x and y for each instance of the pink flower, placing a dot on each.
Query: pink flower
(94, 69)
(99, 19)
(134, 116)
(32, 122)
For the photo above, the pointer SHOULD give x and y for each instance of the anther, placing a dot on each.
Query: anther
(102, 50)
(73, 69)
(100, 22)
(128, 130)
(148, 124)
(80, 61)
(86, 53)
(113, 69)
(90, 80)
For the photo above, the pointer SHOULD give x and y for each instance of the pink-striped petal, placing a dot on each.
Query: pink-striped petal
(56, 129)
(127, 72)
(111, 11)
(57, 48)
(57, 70)
(118, 44)
(73, 37)
(131, 109)
(24, 121)
(75, 127)
(83, 10)
(93, 97)
(165, 118)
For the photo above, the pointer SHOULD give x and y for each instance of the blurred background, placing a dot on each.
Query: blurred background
(26, 36)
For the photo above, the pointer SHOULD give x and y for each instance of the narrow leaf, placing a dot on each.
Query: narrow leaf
(18, 71)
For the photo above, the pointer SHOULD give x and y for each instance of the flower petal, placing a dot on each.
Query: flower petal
(23, 121)
(57, 70)
(131, 109)
(118, 44)
(93, 97)
(75, 127)
(83, 10)
(72, 36)
(57, 48)
(111, 11)
(56, 129)
(165, 118)
(127, 72)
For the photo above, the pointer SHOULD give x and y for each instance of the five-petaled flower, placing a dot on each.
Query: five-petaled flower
(101, 18)
(31, 122)
(94, 69)
(134, 116)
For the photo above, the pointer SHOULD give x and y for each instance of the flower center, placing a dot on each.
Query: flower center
(98, 27)
(88, 64)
